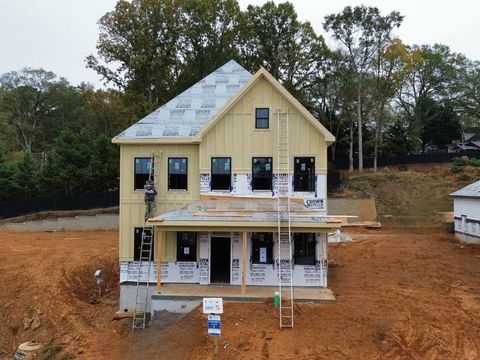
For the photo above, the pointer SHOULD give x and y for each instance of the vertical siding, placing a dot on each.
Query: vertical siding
(132, 206)
(235, 135)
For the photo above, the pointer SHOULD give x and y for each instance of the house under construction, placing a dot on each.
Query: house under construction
(239, 169)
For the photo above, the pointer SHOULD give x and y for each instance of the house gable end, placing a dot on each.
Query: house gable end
(264, 74)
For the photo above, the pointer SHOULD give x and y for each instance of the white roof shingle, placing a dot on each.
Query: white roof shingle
(184, 115)
(472, 190)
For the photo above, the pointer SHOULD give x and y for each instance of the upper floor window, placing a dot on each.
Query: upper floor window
(304, 174)
(261, 118)
(262, 173)
(304, 248)
(262, 248)
(143, 168)
(177, 173)
(186, 246)
(221, 173)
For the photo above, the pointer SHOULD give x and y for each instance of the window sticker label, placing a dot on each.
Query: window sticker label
(263, 254)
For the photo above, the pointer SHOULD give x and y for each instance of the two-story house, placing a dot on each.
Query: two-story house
(220, 157)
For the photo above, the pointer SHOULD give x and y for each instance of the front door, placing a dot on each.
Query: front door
(220, 260)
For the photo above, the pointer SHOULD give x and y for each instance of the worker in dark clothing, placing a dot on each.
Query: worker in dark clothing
(150, 194)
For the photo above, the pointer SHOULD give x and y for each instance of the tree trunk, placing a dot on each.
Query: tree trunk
(350, 150)
(360, 135)
(375, 148)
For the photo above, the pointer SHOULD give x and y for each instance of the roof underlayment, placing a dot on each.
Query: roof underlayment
(472, 190)
(184, 115)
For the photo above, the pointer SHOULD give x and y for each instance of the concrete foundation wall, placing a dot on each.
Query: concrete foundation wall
(364, 208)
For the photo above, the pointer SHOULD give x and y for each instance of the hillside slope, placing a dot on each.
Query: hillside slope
(422, 191)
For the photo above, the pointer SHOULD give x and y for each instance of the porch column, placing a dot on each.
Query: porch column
(244, 263)
(159, 259)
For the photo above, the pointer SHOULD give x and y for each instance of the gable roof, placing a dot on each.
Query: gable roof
(472, 190)
(184, 115)
(190, 115)
(262, 73)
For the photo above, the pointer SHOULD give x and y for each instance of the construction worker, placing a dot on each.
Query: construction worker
(150, 194)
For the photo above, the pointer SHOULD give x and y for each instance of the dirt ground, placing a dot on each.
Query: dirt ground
(401, 294)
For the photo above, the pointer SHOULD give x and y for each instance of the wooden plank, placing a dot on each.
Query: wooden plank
(159, 259)
(244, 263)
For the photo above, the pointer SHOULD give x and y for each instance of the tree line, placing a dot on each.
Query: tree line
(376, 94)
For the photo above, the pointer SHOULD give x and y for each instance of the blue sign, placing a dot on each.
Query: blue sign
(214, 325)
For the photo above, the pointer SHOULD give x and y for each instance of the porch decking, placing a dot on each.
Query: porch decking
(233, 293)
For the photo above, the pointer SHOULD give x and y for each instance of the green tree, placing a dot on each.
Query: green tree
(274, 37)
(25, 177)
(6, 178)
(80, 161)
(163, 46)
(392, 65)
(442, 127)
(25, 103)
(433, 82)
(361, 31)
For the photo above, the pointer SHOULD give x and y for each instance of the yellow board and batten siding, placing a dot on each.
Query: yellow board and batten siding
(132, 205)
(235, 135)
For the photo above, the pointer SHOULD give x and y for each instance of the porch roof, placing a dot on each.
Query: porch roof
(244, 214)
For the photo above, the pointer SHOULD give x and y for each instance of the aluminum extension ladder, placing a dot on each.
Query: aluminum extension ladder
(145, 259)
(285, 263)
(141, 297)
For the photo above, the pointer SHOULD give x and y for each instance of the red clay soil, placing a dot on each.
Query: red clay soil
(401, 294)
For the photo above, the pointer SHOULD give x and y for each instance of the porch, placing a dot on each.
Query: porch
(234, 293)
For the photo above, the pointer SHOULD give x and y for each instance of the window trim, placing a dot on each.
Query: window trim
(195, 246)
(295, 248)
(270, 260)
(152, 164)
(168, 173)
(262, 118)
(211, 173)
(271, 171)
(295, 174)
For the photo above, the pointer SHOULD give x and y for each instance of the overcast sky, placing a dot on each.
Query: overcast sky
(57, 35)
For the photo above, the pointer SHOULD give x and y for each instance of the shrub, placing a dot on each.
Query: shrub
(456, 169)
(475, 162)
(459, 161)
(464, 177)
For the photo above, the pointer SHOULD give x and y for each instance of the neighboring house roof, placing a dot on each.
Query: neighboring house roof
(190, 115)
(471, 134)
(184, 115)
(472, 190)
(469, 145)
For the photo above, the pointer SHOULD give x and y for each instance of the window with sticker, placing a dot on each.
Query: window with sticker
(177, 173)
(304, 174)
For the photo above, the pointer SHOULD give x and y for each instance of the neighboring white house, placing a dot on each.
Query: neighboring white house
(466, 211)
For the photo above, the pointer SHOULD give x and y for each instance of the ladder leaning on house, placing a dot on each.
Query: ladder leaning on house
(145, 259)
(285, 268)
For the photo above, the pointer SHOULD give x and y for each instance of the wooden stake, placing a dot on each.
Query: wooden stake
(244, 262)
(215, 346)
(159, 259)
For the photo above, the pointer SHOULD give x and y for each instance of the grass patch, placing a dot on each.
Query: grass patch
(405, 193)
(54, 351)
